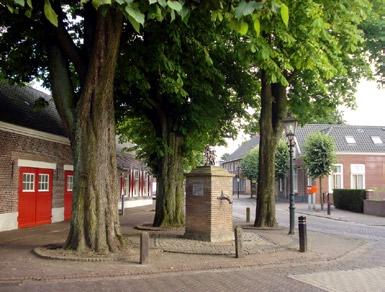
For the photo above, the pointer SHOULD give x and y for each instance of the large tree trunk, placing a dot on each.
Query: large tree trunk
(169, 194)
(95, 221)
(273, 109)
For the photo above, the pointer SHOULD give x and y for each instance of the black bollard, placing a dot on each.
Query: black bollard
(144, 247)
(238, 242)
(302, 233)
(247, 215)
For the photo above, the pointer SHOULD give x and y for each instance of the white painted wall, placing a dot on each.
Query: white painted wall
(57, 214)
(135, 203)
(8, 221)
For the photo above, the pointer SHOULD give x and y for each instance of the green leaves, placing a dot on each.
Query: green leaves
(246, 8)
(49, 13)
(243, 28)
(20, 2)
(285, 14)
(240, 26)
(281, 159)
(98, 3)
(319, 154)
(249, 165)
(175, 5)
(135, 13)
(256, 25)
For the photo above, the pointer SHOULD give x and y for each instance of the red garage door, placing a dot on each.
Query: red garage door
(35, 196)
(68, 185)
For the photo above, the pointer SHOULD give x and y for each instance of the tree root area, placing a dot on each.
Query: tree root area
(128, 253)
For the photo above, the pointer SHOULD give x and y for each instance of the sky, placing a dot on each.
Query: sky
(370, 111)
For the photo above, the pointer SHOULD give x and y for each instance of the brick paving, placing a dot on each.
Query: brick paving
(346, 281)
(357, 249)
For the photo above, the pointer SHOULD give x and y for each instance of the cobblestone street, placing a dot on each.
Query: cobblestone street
(354, 262)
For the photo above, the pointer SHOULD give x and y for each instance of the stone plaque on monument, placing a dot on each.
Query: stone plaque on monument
(197, 190)
(209, 215)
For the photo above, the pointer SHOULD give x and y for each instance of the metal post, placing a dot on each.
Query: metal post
(122, 202)
(328, 196)
(144, 247)
(247, 215)
(302, 234)
(238, 180)
(291, 179)
(322, 200)
(238, 242)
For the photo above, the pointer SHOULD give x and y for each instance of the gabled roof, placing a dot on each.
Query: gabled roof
(243, 149)
(361, 134)
(17, 108)
(127, 161)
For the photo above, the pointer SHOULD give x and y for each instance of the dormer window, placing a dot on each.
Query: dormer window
(350, 140)
(376, 140)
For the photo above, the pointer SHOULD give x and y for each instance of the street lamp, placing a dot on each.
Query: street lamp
(290, 125)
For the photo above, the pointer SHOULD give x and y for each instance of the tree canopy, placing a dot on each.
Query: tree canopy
(374, 34)
(319, 154)
(309, 64)
(180, 88)
(249, 165)
(73, 47)
(281, 159)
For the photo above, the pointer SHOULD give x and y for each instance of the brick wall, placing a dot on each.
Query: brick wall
(374, 173)
(376, 208)
(208, 217)
(15, 146)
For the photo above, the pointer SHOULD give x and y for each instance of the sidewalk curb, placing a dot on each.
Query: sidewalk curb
(337, 219)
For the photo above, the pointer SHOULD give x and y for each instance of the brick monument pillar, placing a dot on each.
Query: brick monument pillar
(209, 197)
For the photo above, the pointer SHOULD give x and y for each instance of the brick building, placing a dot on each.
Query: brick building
(232, 164)
(36, 171)
(360, 153)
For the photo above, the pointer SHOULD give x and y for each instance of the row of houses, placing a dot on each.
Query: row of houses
(36, 168)
(360, 153)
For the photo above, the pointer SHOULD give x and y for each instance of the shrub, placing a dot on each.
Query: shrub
(351, 200)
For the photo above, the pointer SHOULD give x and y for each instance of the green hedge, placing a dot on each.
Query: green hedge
(351, 200)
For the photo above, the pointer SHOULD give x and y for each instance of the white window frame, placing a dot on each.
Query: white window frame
(136, 190)
(309, 181)
(350, 140)
(44, 182)
(331, 177)
(70, 186)
(145, 183)
(357, 169)
(376, 140)
(127, 184)
(33, 182)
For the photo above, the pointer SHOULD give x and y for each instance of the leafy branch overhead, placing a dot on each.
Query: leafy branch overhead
(137, 12)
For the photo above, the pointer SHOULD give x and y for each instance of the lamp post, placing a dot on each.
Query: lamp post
(238, 180)
(290, 125)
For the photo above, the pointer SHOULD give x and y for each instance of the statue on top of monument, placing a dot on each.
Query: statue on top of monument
(209, 156)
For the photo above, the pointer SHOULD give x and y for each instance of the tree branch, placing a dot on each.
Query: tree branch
(61, 86)
(67, 45)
